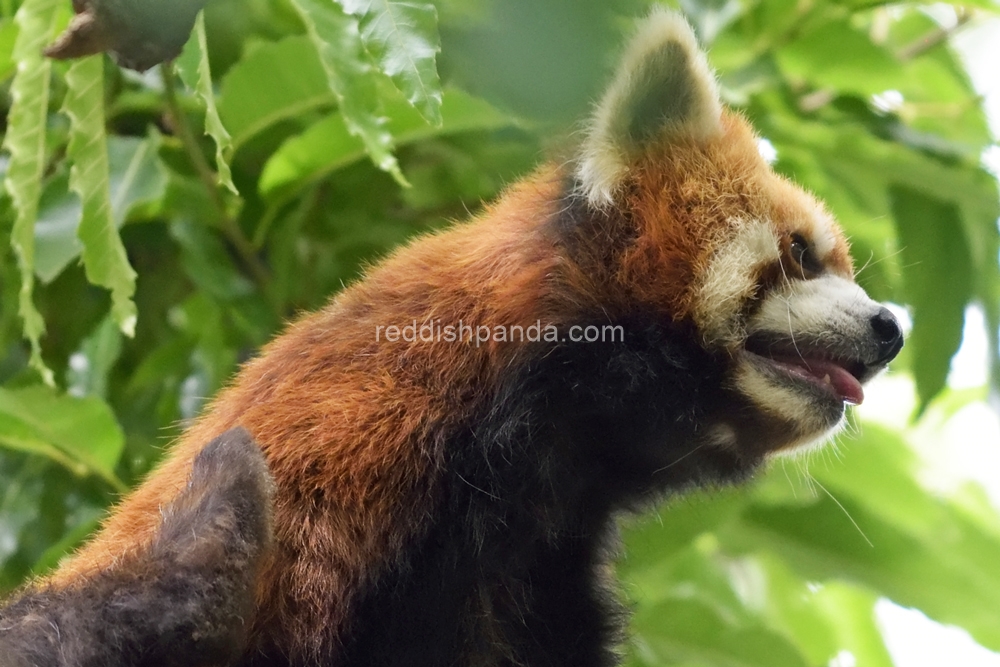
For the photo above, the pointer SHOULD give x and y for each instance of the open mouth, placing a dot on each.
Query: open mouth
(836, 377)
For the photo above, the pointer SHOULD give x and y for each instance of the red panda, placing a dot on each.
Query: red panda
(373, 497)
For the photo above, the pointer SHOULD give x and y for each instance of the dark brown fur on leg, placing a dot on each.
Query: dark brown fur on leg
(186, 601)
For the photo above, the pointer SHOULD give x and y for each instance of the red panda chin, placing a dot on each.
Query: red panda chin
(812, 345)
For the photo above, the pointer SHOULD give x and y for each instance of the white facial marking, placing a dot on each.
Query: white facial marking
(823, 236)
(781, 401)
(731, 278)
(827, 303)
(722, 436)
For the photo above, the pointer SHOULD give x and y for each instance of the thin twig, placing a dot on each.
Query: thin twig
(937, 36)
(210, 179)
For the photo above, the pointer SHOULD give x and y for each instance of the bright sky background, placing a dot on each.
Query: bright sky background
(966, 446)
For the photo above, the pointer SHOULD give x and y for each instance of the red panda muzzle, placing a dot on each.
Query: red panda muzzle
(836, 364)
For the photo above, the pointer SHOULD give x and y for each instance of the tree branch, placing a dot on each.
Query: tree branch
(928, 41)
(210, 179)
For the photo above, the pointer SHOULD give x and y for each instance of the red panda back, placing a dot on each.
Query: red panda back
(349, 424)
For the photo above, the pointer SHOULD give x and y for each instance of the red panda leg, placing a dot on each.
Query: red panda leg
(186, 600)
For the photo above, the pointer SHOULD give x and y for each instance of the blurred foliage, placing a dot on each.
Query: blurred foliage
(158, 228)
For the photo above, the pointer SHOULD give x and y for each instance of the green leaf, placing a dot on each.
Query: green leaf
(954, 581)
(25, 140)
(938, 96)
(328, 145)
(937, 269)
(879, 471)
(56, 243)
(850, 611)
(91, 364)
(690, 632)
(207, 263)
(271, 83)
(833, 55)
(989, 5)
(78, 433)
(821, 619)
(137, 174)
(870, 523)
(104, 255)
(8, 37)
(675, 526)
(213, 359)
(22, 487)
(758, 591)
(544, 60)
(195, 71)
(337, 39)
(137, 177)
(403, 38)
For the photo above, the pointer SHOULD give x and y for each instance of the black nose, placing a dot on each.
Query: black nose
(888, 336)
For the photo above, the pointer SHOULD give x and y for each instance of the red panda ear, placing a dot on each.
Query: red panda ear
(663, 89)
(185, 599)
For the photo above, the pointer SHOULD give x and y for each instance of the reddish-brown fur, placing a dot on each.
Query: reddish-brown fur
(706, 189)
(348, 423)
(685, 197)
(350, 426)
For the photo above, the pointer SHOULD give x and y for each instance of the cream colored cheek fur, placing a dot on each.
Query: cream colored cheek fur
(786, 404)
(730, 279)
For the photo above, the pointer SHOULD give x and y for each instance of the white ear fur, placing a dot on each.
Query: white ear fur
(663, 87)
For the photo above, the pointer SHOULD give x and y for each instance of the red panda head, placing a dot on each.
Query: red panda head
(755, 266)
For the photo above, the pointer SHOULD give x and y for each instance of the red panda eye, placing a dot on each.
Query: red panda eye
(803, 255)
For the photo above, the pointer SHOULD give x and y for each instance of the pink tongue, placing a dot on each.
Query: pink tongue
(845, 385)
